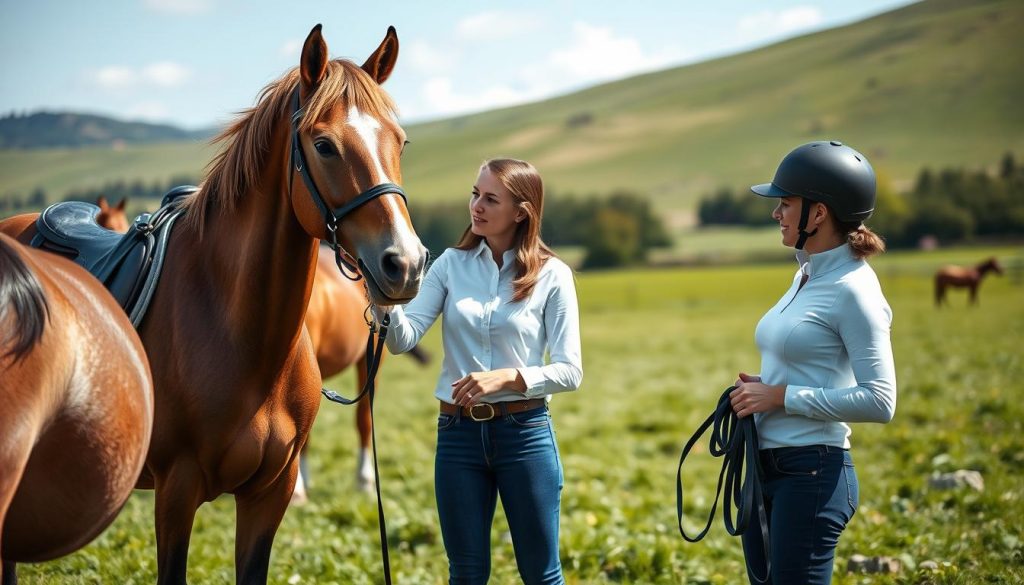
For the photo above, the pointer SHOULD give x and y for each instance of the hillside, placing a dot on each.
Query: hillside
(67, 129)
(934, 83)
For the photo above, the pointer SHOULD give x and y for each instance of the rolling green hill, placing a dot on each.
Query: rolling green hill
(935, 83)
(60, 129)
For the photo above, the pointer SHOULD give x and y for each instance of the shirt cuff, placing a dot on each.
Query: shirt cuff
(535, 381)
(798, 399)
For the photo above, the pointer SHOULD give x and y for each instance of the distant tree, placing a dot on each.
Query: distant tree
(614, 240)
(1007, 167)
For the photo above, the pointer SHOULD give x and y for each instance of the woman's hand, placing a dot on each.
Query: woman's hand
(469, 389)
(751, 396)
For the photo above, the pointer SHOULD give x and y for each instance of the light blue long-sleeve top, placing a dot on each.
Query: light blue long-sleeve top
(484, 330)
(828, 343)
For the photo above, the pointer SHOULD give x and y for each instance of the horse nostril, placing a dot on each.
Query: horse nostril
(394, 266)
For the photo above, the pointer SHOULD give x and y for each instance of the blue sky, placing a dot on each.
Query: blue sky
(195, 63)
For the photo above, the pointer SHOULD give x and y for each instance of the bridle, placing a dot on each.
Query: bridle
(332, 217)
(374, 348)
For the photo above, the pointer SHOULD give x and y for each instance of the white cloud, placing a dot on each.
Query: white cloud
(770, 23)
(495, 25)
(115, 77)
(292, 48)
(160, 74)
(165, 74)
(179, 6)
(591, 54)
(429, 60)
(150, 111)
(441, 99)
(596, 53)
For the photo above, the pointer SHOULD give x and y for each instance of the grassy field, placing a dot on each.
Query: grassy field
(930, 84)
(659, 345)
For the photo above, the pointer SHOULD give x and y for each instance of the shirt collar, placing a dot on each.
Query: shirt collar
(822, 262)
(507, 257)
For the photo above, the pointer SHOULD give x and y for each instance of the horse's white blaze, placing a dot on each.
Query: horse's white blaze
(367, 128)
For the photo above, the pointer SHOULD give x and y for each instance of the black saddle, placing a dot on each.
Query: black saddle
(128, 264)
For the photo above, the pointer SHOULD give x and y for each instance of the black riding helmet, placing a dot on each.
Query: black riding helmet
(827, 172)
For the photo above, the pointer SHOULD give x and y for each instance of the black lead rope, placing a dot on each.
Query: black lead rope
(733, 439)
(373, 356)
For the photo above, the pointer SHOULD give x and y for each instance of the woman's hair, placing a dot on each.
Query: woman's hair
(527, 188)
(864, 242)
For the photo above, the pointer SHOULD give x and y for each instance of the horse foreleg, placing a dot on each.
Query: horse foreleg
(177, 499)
(10, 573)
(258, 516)
(974, 295)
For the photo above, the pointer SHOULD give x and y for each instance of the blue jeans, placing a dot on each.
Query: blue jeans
(514, 456)
(810, 495)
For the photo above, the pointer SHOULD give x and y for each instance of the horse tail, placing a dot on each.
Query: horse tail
(21, 292)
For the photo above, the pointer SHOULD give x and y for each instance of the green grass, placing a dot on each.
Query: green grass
(931, 84)
(659, 345)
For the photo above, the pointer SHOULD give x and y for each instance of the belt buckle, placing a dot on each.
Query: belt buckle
(487, 417)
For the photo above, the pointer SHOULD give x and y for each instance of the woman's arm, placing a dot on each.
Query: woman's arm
(564, 373)
(409, 323)
(863, 323)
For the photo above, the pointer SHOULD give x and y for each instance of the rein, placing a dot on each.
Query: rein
(735, 441)
(374, 348)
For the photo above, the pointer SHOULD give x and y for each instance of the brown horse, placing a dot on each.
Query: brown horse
(112, 217)
(958, 276)
(236, 381)
(337, 327)
(77, 409)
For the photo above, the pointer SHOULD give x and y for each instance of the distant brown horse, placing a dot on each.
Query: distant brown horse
(112, 217)
(76, 406)
(958, 276)
(236, 381)
(337, 327)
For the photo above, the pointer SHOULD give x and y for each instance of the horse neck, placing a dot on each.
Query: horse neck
(261, 260)
(985, 269)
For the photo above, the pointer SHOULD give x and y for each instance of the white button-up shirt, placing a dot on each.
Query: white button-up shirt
(484, 330)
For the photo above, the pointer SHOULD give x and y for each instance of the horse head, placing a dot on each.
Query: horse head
(991, 265)
(347, 136)
(112, 217)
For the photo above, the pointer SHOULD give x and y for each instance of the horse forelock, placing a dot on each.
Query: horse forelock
(238, 166)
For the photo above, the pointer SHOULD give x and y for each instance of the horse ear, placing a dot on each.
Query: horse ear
(380, 64)
(313, 63)
(120, 204)
(101, 201)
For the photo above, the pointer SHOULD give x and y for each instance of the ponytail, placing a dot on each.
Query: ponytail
(864, 242)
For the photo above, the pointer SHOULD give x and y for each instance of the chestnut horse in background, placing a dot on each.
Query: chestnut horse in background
(236, 381)
(112, 217)
(337, 327)
(958, 276)
(77, 406)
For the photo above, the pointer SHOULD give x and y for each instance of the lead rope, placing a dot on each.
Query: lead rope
(374, 351)
(735, 441)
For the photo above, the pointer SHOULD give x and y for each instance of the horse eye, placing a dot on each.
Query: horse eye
(325, 148)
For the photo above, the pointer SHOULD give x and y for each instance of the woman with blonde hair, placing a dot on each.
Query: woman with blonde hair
(506, 300)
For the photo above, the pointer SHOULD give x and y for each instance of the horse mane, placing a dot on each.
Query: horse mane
(237, 167)
(21, 291)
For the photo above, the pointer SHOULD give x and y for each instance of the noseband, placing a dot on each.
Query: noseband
(332, 217)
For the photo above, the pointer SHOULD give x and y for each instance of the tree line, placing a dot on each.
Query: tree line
(950, 204)
(615, 230)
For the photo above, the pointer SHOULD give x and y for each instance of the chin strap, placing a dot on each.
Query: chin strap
(805, 214)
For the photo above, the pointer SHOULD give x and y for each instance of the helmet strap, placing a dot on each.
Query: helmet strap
(805, 215)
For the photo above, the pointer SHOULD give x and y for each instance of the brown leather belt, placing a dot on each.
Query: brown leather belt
(484, 411)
